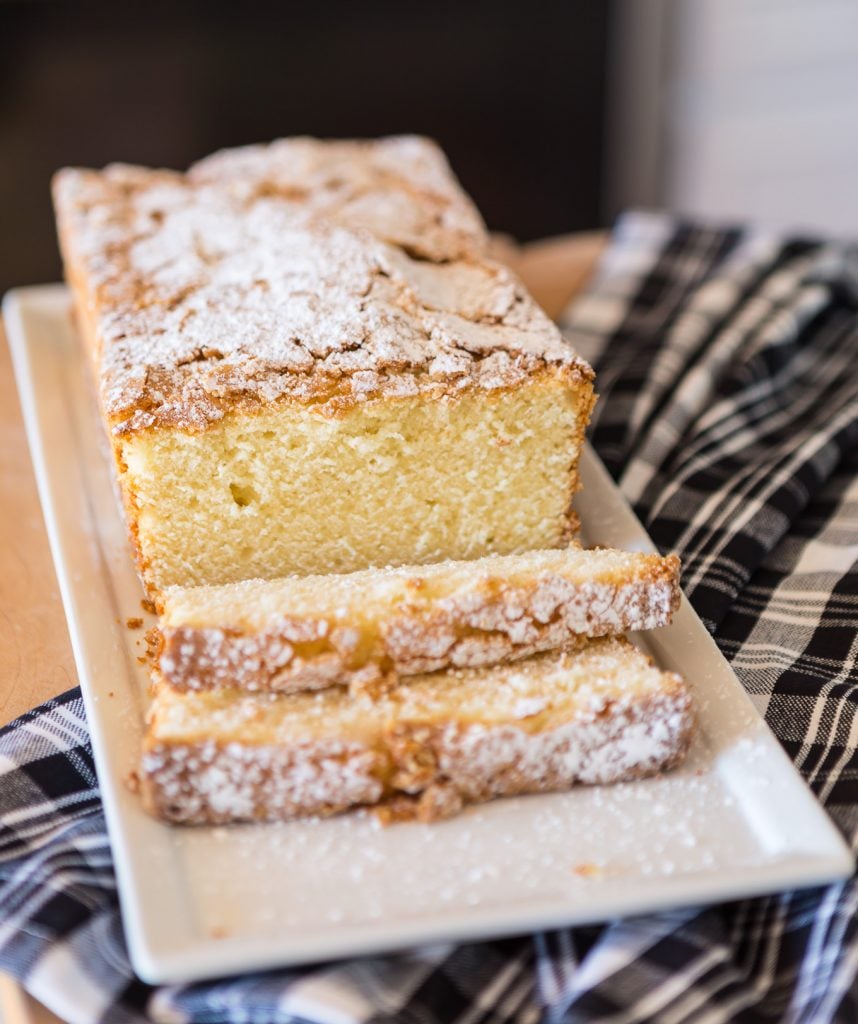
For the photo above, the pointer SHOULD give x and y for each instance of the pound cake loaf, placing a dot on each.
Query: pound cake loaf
(365, 628)
(307, 363)
(602, 714)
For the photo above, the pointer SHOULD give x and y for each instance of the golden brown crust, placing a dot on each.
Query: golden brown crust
(236, 285)
(490, 619)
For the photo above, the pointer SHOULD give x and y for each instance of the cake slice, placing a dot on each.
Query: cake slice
(307, 363)
(602, 714)
(310, 632)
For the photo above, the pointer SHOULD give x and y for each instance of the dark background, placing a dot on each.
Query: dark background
(514, 92)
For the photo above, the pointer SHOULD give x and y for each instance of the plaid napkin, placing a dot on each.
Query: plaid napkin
(728, 368)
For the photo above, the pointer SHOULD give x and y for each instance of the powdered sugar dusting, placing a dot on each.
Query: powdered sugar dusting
(306, 270)
(409, 620)
(601, 715)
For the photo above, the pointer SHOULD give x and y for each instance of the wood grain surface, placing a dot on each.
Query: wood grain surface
(35, 653)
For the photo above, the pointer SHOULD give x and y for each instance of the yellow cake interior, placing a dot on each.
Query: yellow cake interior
(296, 488)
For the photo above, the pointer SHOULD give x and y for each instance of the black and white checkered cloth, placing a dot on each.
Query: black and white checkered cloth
(728, 369)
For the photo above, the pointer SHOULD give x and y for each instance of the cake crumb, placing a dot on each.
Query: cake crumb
(586, 870)
(134, 623)
(153, 642)
(148, 606)
(132, 782)
(398, 808)
(436, 803)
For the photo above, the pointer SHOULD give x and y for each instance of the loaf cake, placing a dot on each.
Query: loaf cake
(602, 714)
(307, 363)
(365, 627)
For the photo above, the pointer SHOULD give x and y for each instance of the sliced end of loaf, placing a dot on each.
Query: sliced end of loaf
(356, 629)
(602, 714)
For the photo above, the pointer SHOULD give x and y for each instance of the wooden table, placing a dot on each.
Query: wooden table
(35, 653)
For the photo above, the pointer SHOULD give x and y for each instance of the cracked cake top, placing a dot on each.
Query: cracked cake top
(324, 272)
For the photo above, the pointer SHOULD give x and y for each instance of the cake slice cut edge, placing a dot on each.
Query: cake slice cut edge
(368, 628)
(602, 714)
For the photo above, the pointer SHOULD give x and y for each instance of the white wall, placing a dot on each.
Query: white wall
(738, 109)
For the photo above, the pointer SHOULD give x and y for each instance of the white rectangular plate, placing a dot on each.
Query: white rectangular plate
(735, 820)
